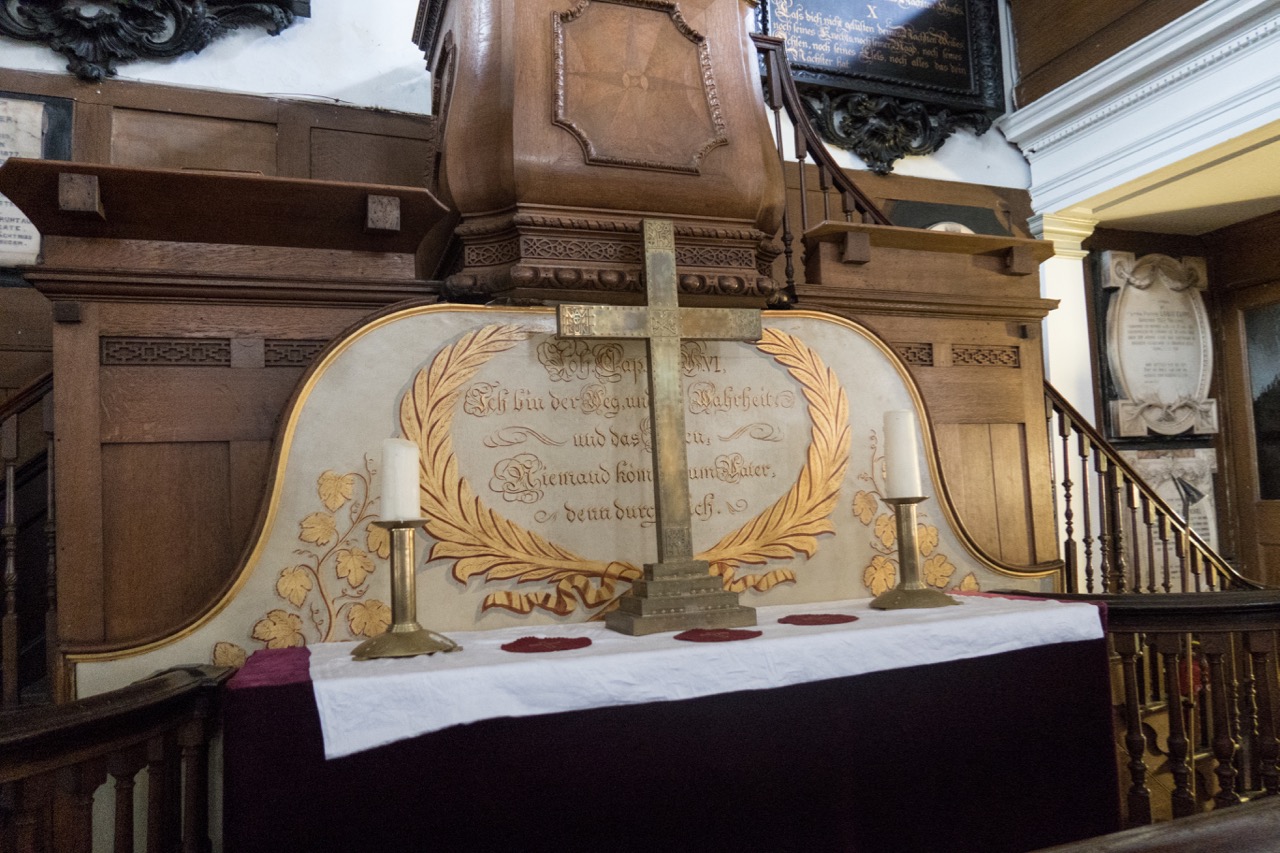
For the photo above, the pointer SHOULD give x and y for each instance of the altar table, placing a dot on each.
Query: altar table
(1009, 751)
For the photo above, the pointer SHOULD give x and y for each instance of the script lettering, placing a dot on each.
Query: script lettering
(909, 41)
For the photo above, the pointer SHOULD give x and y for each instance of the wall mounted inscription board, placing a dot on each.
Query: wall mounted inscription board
(887, 78)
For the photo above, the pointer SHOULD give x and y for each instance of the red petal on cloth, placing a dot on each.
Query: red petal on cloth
(716, 635)
(817, 619)
(529, 645)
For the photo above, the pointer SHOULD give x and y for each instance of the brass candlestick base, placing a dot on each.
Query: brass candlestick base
(910, 593)
(405, 638)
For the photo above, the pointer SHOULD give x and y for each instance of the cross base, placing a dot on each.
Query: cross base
(676, 596)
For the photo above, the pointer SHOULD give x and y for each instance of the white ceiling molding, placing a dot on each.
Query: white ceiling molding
(1205, 79)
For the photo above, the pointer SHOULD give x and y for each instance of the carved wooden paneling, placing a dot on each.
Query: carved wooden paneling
(165, 141)
(374, 158)
(169, 501)
(147, 404)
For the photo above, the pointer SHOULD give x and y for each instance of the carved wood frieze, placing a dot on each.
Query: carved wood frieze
(634, 85)
(201, 352)
(95, 37)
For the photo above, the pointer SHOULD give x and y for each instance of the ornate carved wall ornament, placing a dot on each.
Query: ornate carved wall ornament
(94, 37)
(609, 95)
(887, 80)
(1159, 348)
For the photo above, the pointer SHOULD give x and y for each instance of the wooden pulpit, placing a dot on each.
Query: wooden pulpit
(562, 124)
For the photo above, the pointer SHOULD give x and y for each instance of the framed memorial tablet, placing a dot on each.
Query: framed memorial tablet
(888, 78)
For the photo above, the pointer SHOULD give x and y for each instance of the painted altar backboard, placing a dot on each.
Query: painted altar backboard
(537, 485)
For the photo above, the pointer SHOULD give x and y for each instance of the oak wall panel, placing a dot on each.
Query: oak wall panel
(173, 404)
(166, 141)
(163, 505)
(339, 155)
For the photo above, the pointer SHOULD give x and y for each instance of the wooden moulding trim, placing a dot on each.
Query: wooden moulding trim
(924, 304)
(99, 652)
(363, 292)
(923, 240)
(1223, 611)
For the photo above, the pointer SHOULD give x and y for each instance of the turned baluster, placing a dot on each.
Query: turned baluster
(1131, 502)
(1170, 647)
(1139, 797)
(1262, 647)
(824, 184)
(79, 781)
(24, 802)
(1148, 523)
(193, 740)
(162, 815)
(124, 767)
(1088, 515)
(1109, 551)
(1215, 647)
(1068, 512)
(1164, 550)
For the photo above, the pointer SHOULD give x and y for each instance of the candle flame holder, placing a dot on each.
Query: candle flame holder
(910, 593)
(405, 638)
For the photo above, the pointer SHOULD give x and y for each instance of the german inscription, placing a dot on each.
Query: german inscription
(567, 444)
(917, 42)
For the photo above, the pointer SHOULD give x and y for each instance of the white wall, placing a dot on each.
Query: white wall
(352, 52)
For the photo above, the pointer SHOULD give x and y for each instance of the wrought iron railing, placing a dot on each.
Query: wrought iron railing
(1118, 535)
(30, 606)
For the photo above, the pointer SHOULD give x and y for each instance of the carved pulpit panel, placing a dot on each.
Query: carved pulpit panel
(571, 120)
(619, 65)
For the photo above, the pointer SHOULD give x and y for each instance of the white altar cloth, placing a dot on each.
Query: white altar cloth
(364, 704)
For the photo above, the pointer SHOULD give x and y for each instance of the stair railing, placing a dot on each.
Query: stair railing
(26, 439)
(781, 96)
(1118, 535)
(150, 736)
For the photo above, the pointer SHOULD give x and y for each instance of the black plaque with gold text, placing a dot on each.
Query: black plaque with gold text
(915, 69)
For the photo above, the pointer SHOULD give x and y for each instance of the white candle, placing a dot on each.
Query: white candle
(901, 462)
(400, 480)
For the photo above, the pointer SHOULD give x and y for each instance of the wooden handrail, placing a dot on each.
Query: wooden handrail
(54, 759)
(1200, 550)
(1206, 663)
(781, 93)
(30, 394)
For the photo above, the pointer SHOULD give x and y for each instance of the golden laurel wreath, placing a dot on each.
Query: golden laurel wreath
(482, 542)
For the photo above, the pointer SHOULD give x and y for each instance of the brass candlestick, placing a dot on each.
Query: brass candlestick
(910, 593)
(405, 638)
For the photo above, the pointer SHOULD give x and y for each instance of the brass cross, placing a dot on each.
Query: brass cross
(663, 324)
